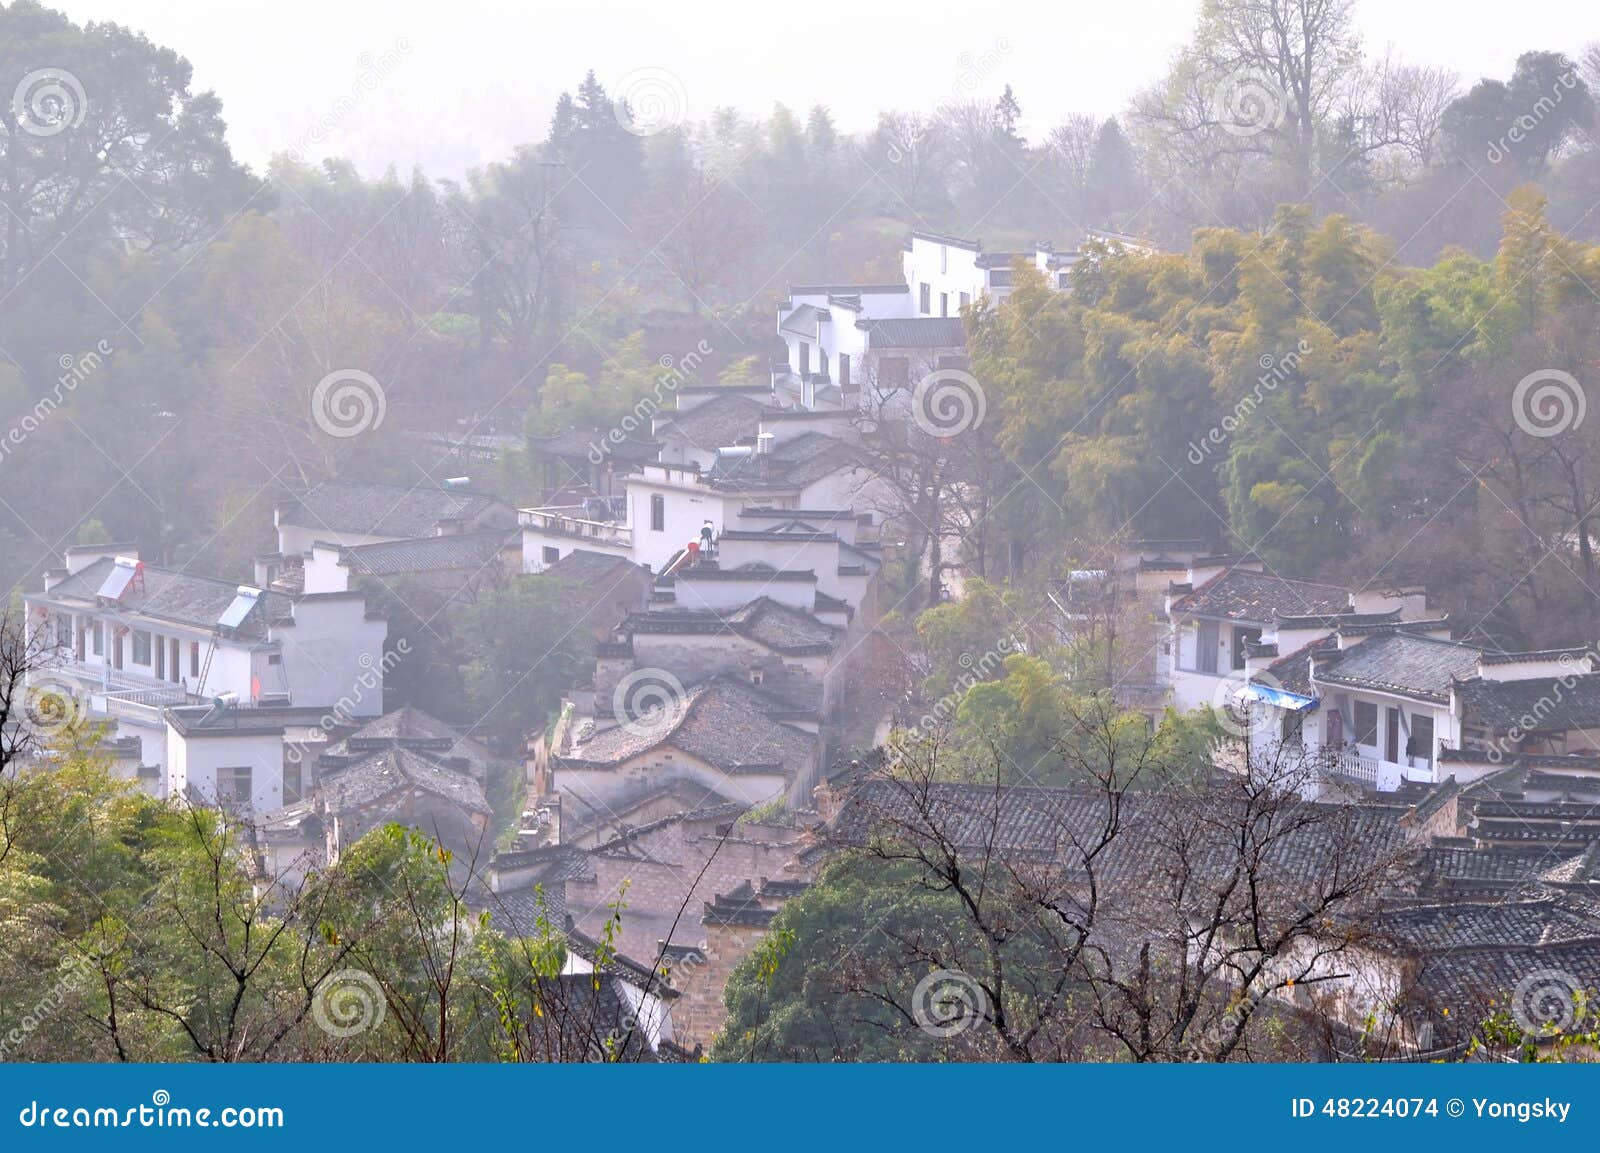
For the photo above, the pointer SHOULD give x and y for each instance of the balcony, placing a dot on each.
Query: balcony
(601, 520)
(1354, 765)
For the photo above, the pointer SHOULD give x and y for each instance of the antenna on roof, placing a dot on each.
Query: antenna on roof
(454, 482)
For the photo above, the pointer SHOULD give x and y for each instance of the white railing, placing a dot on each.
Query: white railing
(562, 520)
(1356, 766)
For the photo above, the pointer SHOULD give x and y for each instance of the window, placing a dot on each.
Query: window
(550, 553)
(1421, 743)
(274, 658)
(173, 672)
(1367, 724)
(1063, 280)
(924, 299)
(844, 370)
(1242, 637)
(944, 304)
(63, 630)
(966, 299)
(233, 783)
(944, 259)
(1294, 729)
(805, 358)
(194, 658)
(99, 633)
(894, 372)
(141, 647)
(291, 781)
(658, 512)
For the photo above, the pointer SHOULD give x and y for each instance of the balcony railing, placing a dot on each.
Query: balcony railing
(581, 521)
(1354, 765)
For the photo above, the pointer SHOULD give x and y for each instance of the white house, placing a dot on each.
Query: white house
(131, 639)
(839, 337)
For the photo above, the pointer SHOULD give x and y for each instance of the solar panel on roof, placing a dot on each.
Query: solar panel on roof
(119, 578)
(244, 600)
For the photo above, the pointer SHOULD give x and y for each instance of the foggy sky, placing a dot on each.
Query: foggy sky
(452, 85)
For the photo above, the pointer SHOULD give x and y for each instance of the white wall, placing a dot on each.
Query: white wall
(193, 763)
(945, 268)
(324, 573)
(332, 653)
(723, 594)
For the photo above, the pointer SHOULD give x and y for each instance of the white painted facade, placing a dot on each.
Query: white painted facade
(130, 665)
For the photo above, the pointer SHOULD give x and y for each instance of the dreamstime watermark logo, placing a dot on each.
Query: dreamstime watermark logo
(1546, 1001)
(1247, 102)
(74, 371)
(1548, 402)
(373, 70)
(48, 101)
(50, 707)
(645, 700)
(1236, 700)
(348, 1002)
(347, 402)
(1523, 126)
(650, 100)
(947, 402)
(1274, 372)
(676, 372)
(947, 1003)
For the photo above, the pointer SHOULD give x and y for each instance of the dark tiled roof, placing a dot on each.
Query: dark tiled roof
(1563, 655)
(1050, 823)
(1462, 986)
(361, 782)
(586, 567)
(739, 907)
(1337, 620)
(778, 626)
(390, 510)
(1552, 919)
(406, 745)
(1239, 594)
(793, 464)
(1540, 705)
(1293, 672)
(915, 332)
(803, 321)
(472, 551)
(1398, 662)
(409, 724)
(171, 595)
(714, 423)
(683, 797)
(727, 724)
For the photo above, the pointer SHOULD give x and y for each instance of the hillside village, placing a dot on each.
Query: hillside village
(620, 575)
(730, 561)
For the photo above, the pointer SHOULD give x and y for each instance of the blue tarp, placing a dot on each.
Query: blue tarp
(1284, 699)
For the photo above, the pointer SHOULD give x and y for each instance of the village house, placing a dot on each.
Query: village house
(724, 733)
(132, 639)
(405, 768)
(341, 514)
(1379, 704)
(689, 878)
(839, 337)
